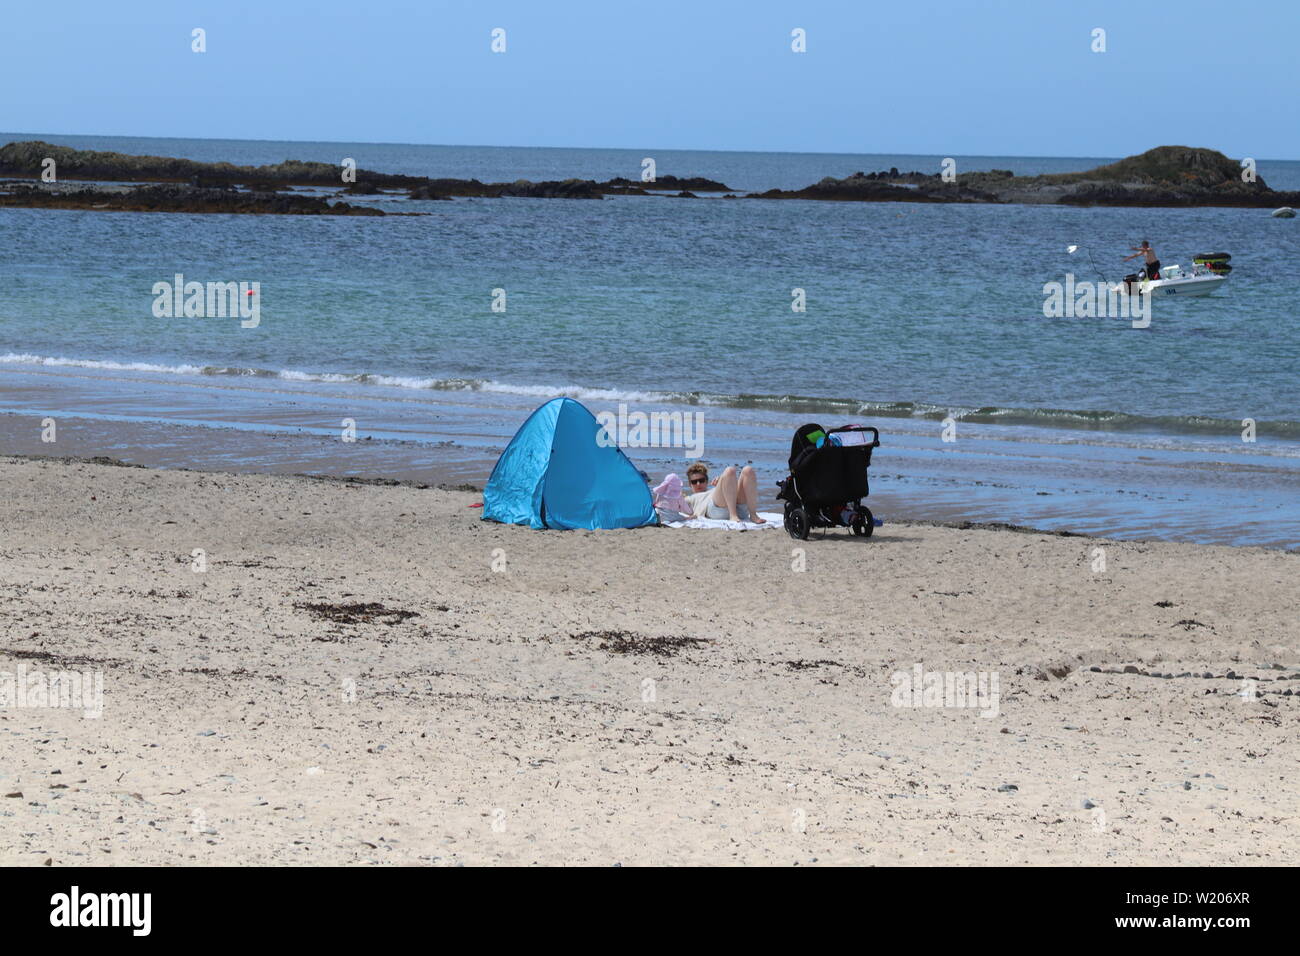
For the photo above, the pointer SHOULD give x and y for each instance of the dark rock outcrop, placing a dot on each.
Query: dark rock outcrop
(198, 182)
(170, 197)
(883, 187)
(681, 183)
(1177, 166)
(566, 189)
(25, 159)
(1164, 176)
(1122, 194)
(563, 189)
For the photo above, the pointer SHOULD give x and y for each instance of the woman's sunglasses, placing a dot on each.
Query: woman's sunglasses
(699, 481)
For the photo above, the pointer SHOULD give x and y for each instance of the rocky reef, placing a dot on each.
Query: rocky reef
(667, 183)
(561, 189)
(173, 197)
(883, 187)
(27, 160)
(1164, 176)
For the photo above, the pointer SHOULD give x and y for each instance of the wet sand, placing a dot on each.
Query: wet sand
(1114, 484)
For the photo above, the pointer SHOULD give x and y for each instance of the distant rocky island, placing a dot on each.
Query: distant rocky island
(1165, 176)
(166, 197)
(184, 185)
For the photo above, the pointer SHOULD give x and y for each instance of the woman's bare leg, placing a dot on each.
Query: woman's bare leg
(748, 493)
(724, 493)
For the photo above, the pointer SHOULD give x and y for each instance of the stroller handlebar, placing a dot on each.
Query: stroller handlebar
(875, 432)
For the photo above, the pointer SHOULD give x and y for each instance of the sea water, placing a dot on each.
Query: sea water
(436, 334)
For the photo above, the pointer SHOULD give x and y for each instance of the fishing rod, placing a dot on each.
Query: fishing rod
(1072, 249)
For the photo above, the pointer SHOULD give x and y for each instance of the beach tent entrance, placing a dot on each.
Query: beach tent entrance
(555, 474)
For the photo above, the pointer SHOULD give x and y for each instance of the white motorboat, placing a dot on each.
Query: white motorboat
(1202, 280)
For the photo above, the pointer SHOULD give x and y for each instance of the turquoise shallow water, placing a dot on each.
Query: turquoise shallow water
(914, 313)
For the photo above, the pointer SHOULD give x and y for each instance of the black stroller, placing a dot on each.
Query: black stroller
(828, 480)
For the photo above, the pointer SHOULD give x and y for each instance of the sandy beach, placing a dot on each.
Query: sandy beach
(369, 674)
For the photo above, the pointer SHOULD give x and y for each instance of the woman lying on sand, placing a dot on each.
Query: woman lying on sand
(730, 499)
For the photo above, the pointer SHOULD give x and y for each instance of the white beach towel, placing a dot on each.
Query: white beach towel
(772, 521)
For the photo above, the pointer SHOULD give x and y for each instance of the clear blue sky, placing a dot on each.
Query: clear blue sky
(978, 78)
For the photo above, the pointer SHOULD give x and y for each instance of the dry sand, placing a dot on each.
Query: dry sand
(499, 725)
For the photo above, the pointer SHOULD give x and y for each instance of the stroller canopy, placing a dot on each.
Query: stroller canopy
(554, 474)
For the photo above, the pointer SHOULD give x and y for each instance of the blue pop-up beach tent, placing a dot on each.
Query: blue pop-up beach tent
(554, 474)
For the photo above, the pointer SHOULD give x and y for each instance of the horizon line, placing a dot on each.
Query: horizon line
(631, 149)
(674, 149)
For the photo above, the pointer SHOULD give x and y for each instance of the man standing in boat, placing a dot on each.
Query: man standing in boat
(1153, 264)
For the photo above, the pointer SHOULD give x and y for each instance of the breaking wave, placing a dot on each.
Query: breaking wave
(1082, 419)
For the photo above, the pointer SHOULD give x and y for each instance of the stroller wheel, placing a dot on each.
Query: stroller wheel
(796, 522)
(863, 523)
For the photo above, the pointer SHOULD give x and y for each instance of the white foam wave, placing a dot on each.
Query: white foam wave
(336, 378)
(574, 391)
(13, 358)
